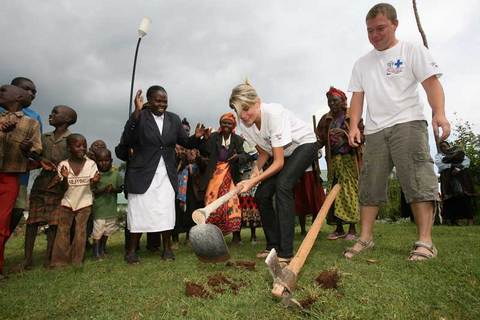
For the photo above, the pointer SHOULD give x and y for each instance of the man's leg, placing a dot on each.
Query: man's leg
(373, 186)
(423, 213)
(368, 215)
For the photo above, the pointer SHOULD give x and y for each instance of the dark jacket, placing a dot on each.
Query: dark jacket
(148, 145)
(211, 149)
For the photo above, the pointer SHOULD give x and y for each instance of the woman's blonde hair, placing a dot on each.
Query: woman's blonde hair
(243, 96)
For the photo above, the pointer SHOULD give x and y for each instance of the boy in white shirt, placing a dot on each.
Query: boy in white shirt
(77, 173)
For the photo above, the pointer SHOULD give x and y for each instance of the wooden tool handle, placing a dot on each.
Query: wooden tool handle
(297, 262)
(218, 202)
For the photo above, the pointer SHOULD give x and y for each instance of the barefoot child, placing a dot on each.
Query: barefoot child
(78, 173)
(45, 201)
(105, 202)
(19, 139)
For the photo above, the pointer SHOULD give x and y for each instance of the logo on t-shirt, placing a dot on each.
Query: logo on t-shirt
(395, 66)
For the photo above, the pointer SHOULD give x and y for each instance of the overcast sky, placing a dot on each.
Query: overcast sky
(80, 53)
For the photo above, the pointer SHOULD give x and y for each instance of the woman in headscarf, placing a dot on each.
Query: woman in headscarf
(343, 163)
(225, 152)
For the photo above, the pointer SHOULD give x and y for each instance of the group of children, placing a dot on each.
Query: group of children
(70, 188)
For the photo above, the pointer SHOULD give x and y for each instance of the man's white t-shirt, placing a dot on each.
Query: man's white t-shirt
(390, 81)
(279, 128)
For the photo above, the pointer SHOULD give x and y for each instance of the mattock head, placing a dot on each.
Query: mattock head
(288, 301)
(284, 280)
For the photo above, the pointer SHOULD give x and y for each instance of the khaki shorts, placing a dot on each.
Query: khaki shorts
(104, 227)
(405, 147)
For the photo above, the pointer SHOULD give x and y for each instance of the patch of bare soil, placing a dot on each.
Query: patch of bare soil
(219, 283)
(307, 302)
(193, 289)
(328, 279)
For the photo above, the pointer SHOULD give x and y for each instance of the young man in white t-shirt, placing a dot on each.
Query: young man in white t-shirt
(395, 128)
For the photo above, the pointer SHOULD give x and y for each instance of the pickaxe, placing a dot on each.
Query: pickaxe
(285, 280)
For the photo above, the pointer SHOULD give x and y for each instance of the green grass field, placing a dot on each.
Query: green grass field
(392, 288)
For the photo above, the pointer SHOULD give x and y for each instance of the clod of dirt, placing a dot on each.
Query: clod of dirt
(219, 282)
(307, 302)
(193, 289)
(328, 279)
(249, 265)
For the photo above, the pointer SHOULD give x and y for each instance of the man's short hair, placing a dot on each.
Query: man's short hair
(18, 80)
(382, 8)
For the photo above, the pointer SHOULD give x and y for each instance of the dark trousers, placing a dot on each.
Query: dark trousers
(279, 226)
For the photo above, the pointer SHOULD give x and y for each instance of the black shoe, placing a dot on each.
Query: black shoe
(168, 255)
(132, 258)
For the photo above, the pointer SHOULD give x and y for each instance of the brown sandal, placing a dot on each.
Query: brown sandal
(283, 262)
(263, 254)
(365, 245)
(432, 252)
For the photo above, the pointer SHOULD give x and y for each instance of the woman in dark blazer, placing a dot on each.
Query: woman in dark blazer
(148, 145)
(225, 153)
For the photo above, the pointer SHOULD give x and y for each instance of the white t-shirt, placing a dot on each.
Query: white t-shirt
(390, 81)
(279, 128)
(78, 195)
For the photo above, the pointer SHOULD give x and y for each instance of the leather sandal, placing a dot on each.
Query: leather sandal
(365, 245)
(263, 254)
(421, 256)
(283, 262)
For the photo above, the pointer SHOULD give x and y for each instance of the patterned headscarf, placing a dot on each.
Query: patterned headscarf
(228, 116)
(337, 92)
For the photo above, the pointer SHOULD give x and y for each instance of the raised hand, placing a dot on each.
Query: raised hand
(64, 171)
(138, 100)
(7, 126)
(95, 178)
(48, 165)
(200, 130)
(26, 145)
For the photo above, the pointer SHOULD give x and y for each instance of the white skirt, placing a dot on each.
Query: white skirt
(154, 210)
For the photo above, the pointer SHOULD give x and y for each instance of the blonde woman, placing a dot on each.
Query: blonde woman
(291, 145)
